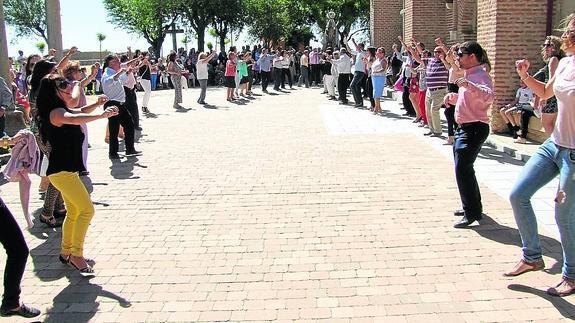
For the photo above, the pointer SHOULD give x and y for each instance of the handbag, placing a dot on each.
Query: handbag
(398, 86)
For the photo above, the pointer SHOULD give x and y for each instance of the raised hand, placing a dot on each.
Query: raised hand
(522, 66)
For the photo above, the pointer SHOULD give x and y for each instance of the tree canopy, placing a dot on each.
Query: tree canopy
(28, 17)
(150, 18)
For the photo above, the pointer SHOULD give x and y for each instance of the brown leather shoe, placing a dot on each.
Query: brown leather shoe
(564, 288)
(523, 267)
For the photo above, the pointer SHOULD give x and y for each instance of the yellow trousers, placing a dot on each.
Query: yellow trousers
(80, 211)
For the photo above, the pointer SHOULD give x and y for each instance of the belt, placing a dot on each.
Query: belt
(437, 88)
(471, 124)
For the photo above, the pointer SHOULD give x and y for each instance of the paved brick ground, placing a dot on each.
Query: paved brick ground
(287, 208)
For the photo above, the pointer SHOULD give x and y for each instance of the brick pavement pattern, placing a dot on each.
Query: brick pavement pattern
(267, 212)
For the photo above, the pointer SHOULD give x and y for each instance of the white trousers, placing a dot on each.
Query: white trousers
(147, 86)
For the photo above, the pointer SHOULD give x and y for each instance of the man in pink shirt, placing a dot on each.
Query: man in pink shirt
(472, 103)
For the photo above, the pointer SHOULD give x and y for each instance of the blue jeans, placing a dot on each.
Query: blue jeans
(549, 161)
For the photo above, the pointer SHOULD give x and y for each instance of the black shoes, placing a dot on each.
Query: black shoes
(466, 221)
(113, 156)
(138, 128)
(23, 310)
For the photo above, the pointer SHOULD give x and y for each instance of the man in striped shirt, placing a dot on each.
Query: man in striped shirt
(437, 75)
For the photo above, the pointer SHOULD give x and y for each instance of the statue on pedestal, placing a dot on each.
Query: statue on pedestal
(331, 32)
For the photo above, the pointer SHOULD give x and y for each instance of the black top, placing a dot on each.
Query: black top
(144, 72)
(326, 68)
(66, 154)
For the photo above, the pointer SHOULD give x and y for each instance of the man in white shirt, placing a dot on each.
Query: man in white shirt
(114, 79)
(359, 75)
(343, 65)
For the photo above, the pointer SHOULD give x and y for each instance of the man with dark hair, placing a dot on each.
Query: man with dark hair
(113, 81)
(359, 75)
(472, 104)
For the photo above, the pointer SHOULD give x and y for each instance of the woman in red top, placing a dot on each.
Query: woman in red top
(230, 75)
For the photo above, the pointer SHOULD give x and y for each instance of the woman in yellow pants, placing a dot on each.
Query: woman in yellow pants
(60, 126)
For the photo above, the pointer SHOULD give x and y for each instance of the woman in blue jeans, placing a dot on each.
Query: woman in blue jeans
(554, 157)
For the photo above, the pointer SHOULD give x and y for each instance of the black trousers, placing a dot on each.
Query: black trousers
(314, 77)
(132, 105)
(286, 74)
(407, 105)
(356, 85)
(342, 86)
(123, 118)
(468, 141)
(450, 111)
(17, 251)
(265, 80)
(277, 78)
(525, 115)
(369, 91)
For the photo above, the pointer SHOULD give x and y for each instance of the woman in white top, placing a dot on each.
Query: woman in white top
(556, 156)
(202, 74)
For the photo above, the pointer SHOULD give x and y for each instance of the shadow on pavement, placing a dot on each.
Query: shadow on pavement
(77, 302)
(501, 157)
(494, 231)
(564, 307)
(123, 169)
(214, 107)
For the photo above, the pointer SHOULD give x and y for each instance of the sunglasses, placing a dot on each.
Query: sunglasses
(62, 85)
(547, 45)
(460, 54)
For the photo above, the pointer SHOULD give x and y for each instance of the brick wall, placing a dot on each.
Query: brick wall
(508, 32)
(466, 20)
(422, 25)
(385, 22)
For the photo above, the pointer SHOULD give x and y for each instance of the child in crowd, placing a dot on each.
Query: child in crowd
(517, 113)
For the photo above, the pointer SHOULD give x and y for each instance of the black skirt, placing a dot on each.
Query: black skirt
(230, 82)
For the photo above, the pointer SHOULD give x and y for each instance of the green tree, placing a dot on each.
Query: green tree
(272, 21)
(28, 17)
(100, 37)
(41, 47)
(227, 14)
(150, 18)
(198, 14)
(348, 13)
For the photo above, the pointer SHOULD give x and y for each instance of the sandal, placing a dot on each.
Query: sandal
(23, 310)
(145, 109)
(565, 287)
(49, 220)
(66, 260)
(85, 271)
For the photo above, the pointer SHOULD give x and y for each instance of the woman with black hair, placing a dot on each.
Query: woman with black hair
(60, 127)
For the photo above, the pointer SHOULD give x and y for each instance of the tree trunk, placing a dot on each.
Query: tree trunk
(223, 43)
(201, 39)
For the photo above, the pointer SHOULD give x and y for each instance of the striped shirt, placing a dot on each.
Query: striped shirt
(436, 74)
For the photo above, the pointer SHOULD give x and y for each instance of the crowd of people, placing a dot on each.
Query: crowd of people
(454, 78)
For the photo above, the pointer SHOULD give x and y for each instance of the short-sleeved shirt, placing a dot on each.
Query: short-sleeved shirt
(436, 74)
(524, 95)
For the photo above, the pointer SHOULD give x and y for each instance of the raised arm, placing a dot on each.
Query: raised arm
(543, 90)
(64, 61)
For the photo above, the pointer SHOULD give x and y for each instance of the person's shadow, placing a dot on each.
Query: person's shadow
(492, 230)
(77, 302)
(564, 307)
(124, 169)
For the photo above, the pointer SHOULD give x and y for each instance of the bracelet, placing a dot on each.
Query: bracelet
(5, 142)
(526, 77)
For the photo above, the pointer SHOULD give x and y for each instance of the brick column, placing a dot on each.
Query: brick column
(509, 31)
(385, 22)
(4, 68)
(425, 20)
